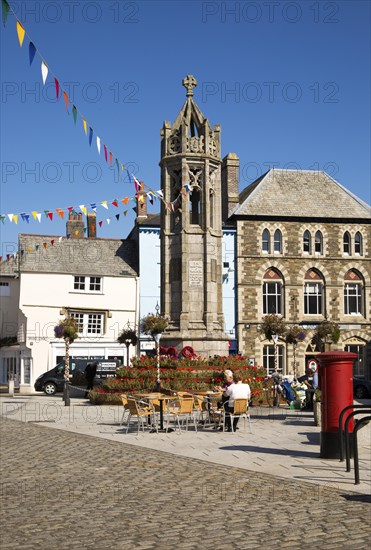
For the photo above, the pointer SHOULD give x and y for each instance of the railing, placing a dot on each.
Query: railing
(363, 409)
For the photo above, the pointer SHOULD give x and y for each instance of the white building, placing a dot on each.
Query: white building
(93, 280)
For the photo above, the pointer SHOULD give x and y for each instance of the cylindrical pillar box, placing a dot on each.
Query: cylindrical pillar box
(336, 384)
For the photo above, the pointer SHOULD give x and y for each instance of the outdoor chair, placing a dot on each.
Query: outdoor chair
(240, 410)
(183, 410)
(126, 412)
(200, 406)
(141, 411)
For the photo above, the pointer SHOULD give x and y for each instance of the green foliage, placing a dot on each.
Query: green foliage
(128, 336)
(327, 330)
(66, 329)
(294, 334)
(154, 324)
(272, 324)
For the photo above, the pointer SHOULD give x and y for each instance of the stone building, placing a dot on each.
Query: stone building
(303, 252)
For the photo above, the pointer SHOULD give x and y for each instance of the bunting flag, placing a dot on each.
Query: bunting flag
(115, 203)
(52, 242)
(90, 135)
(5, 10)
(105, 152)
(50, 216)
(44, 71)
(65, 97)
(98, 145)
(56, 87)
(100, 224)
(85, 126)
(74, 113)
(20, 32)
(31, 52)
(110, 158)
(117, 217)
(104, 204)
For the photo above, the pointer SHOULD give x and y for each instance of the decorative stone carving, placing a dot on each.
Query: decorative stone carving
(189, 82)
(195, 176)
(195, 144)
(174, 143)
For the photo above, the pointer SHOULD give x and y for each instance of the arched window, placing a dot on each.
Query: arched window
(272, 292)
(353, 293)
(277, 241)
(358, 243)
(346, 243)
(306, 242)
(318, 243)
(266, 241)
(313, 293)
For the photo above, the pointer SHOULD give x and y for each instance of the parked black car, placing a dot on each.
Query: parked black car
(361, 388)
(52, 381)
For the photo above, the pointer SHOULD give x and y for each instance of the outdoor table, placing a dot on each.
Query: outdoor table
(161, 398)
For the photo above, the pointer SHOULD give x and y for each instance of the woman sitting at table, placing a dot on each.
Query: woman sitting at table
(228, 381)
(237, 390)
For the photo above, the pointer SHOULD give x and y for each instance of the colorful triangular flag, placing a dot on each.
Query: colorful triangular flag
(20, 33)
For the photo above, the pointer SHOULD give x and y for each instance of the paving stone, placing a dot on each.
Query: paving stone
(70, 491)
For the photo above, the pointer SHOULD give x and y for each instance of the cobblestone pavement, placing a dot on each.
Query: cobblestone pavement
(66, 490)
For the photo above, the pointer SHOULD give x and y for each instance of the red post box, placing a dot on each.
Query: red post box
(336, 383)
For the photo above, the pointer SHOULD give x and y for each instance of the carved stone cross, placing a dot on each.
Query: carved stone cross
(189, 82)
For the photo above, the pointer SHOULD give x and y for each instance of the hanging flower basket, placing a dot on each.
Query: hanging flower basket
(272, 325)
(66, 329)
(327, 330)
(154, 324)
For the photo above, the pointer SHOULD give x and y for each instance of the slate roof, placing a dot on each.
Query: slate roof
(300, 193)
(87, 256)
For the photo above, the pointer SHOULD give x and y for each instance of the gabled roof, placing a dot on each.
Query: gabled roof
(300, 194)
(87, 256)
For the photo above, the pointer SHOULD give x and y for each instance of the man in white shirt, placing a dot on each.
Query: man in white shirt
(235, 391)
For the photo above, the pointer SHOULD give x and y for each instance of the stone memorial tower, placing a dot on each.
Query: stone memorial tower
(191, 231)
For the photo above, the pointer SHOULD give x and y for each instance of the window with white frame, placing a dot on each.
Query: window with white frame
(353, 289)
(358, 244)
(4, 288)
(346, 243)
(89, 323)
(87, 284)
(266, 241)
(277, 241)
(307, 242)
(313, 293)
(269, 359)
(272, 292)
(318, 243)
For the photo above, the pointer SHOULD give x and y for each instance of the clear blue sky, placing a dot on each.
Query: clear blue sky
(288, 83)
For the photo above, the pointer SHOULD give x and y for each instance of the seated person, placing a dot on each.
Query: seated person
(239, 390)
(228, 381)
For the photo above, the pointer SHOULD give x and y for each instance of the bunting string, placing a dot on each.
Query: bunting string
(59, 90)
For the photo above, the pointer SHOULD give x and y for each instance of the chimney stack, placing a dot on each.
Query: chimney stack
(230, 198)
(92, 225)
(141, 204)
(75, 226)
